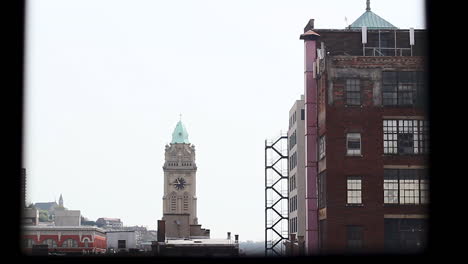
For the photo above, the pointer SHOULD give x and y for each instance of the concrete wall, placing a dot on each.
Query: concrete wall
(174, 230)
(114, 236)
(67, 217)
(299, 170)
(30, 216)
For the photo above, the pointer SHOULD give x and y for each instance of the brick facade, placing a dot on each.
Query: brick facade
(343, 60)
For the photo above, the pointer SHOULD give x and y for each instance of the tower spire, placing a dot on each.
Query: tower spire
(368, 5)
(61, 201)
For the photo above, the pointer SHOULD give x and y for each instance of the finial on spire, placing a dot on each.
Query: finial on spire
(368, 5)
(180, 117)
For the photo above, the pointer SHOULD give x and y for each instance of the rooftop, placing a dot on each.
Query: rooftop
(180, 134)
(201, 242)
(371, 20)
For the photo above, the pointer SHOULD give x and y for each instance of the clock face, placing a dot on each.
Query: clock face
(180, 183)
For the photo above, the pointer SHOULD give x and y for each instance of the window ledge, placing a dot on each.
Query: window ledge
(409, 205)
(354, 155)
(354, 205)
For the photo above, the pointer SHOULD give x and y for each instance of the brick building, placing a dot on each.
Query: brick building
(366, 138)
(65, 239)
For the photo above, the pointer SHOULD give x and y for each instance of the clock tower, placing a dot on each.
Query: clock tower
(179, 200)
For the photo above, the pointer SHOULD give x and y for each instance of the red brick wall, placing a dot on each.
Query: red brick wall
(366, 120)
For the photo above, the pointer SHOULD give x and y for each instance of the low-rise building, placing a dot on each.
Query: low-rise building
(121, 240)
(109, 223)
(65, 239)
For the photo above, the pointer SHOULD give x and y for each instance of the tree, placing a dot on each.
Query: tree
(43, 216)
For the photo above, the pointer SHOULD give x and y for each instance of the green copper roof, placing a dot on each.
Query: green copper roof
(180, 134)
(370, 20)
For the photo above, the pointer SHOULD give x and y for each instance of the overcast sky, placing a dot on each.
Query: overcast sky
(106, 81)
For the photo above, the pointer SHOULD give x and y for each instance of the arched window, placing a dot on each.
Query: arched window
(28, 243)
(50, 242)
(186, 202)
(173, 203)
(86, 242)
(70, 243)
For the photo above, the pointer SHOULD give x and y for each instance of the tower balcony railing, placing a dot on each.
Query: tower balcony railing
(379, 51)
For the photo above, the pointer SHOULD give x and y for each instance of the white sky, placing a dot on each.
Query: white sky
(106, 81)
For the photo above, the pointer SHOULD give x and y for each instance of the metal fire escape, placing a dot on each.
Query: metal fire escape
(276, 196)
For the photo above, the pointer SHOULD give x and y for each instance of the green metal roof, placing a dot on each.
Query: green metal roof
(180, 134)
(370, 20)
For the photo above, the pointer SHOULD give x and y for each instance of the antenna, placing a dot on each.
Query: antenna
(346, 21)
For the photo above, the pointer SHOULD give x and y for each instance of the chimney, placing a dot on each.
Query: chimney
(237, 238)
(161, 230)
(309, 26)
(229, 235)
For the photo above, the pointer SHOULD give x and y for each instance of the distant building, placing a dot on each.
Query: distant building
(65, 217)
(30, 216)
(48, 206)
(180, 200)
(296, 174)
(109, 223)
(121, 240)
(23, 188)
(65, 239)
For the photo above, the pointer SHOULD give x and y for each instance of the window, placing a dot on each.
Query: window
(354, 237)
(353, 92)
(293, 225)
(86, 242)
(292, 140)
(322, 147)
(403, 234)
(322, 190)
(292, 183)
(409, 187)
(391, 186)
(50, 243)
(405, 136)
(186, 202)
(121, 244)
(402, 88)
(354, 190)
(406, 186)
(173, 203)
(70, 243)
(28, 243)
(293, 161)
(322, 233)
(302, 114)
(293, 203)
(353, 144)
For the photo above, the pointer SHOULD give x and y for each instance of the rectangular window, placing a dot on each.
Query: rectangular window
(353, 92)
(402, 88)
(302, 114)
(121, 244)
(322, 147)
(406, 186)
(353, 144)
(354, 237)
(322, 190)
(409, 187)
(405, 136)
(293, 161)
(354, 190)
(391, 186)
(292, 140)
(322, 233)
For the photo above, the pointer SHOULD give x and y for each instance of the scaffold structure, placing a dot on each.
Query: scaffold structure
(276, 196)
